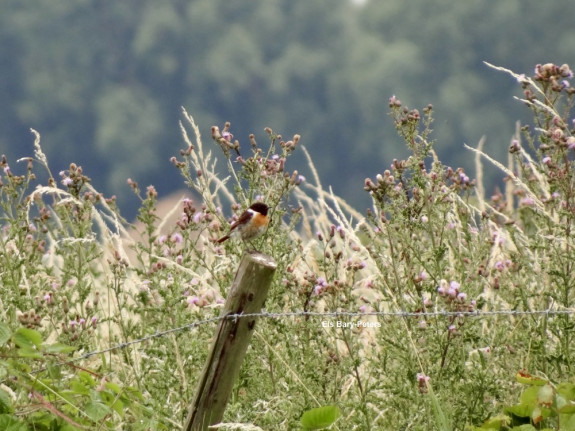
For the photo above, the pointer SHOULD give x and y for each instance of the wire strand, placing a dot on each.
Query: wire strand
(333, 314)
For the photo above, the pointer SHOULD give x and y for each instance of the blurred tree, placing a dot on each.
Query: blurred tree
(453, 39)
(103, 81)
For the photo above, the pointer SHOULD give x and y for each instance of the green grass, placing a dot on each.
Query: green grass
(75, 278)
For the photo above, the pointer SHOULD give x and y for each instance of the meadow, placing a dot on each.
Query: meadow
(443, 306)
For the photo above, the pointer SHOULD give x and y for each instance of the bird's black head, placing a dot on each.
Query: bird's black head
(260, 207)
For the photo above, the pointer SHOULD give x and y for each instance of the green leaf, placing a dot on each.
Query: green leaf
(114, 387)
(54, 371)
(565, 407)
(58, 348)
(528, 379)
(319, 418)
(10, 423)
(133, 393)
(27, 338)
(567, 390)
(496, 422)
(521, 410)
(529, 396)
(29, 352)
(567, 422)
(97, 411)
(79, 387)
(5, 402)
(118, 406)
(5, 333)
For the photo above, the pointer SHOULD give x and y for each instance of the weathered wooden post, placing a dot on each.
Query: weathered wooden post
(247, 295)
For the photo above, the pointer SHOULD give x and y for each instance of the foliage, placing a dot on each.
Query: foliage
(97, 332)
(542, 405)
(58, 400)
(110, 80)
(319, 418)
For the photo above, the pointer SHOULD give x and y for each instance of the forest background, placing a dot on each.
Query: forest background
(110, 77)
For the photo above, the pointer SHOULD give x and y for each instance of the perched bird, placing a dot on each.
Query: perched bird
(251, 223)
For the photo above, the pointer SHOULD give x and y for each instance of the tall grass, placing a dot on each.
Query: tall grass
(73, 282)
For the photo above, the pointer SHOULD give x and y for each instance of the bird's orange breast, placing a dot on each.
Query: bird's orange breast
(259, 221)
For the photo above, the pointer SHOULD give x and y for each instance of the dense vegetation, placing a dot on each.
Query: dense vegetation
(88, 338)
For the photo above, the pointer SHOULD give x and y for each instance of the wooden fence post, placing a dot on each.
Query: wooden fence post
(247, 295)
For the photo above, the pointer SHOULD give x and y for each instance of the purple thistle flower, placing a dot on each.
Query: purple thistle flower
(177, 238)
(422, 378)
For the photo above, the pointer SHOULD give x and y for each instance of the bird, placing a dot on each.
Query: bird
(252, 222)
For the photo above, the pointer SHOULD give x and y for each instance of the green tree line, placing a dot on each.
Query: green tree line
(103, 81)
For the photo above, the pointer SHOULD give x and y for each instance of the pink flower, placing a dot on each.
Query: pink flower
(422, 381)
(499, 265)
(227, 136)
(528, 202)
(192, 300)
(422, 378)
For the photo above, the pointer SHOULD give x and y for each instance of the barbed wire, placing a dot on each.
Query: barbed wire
(323, 314)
